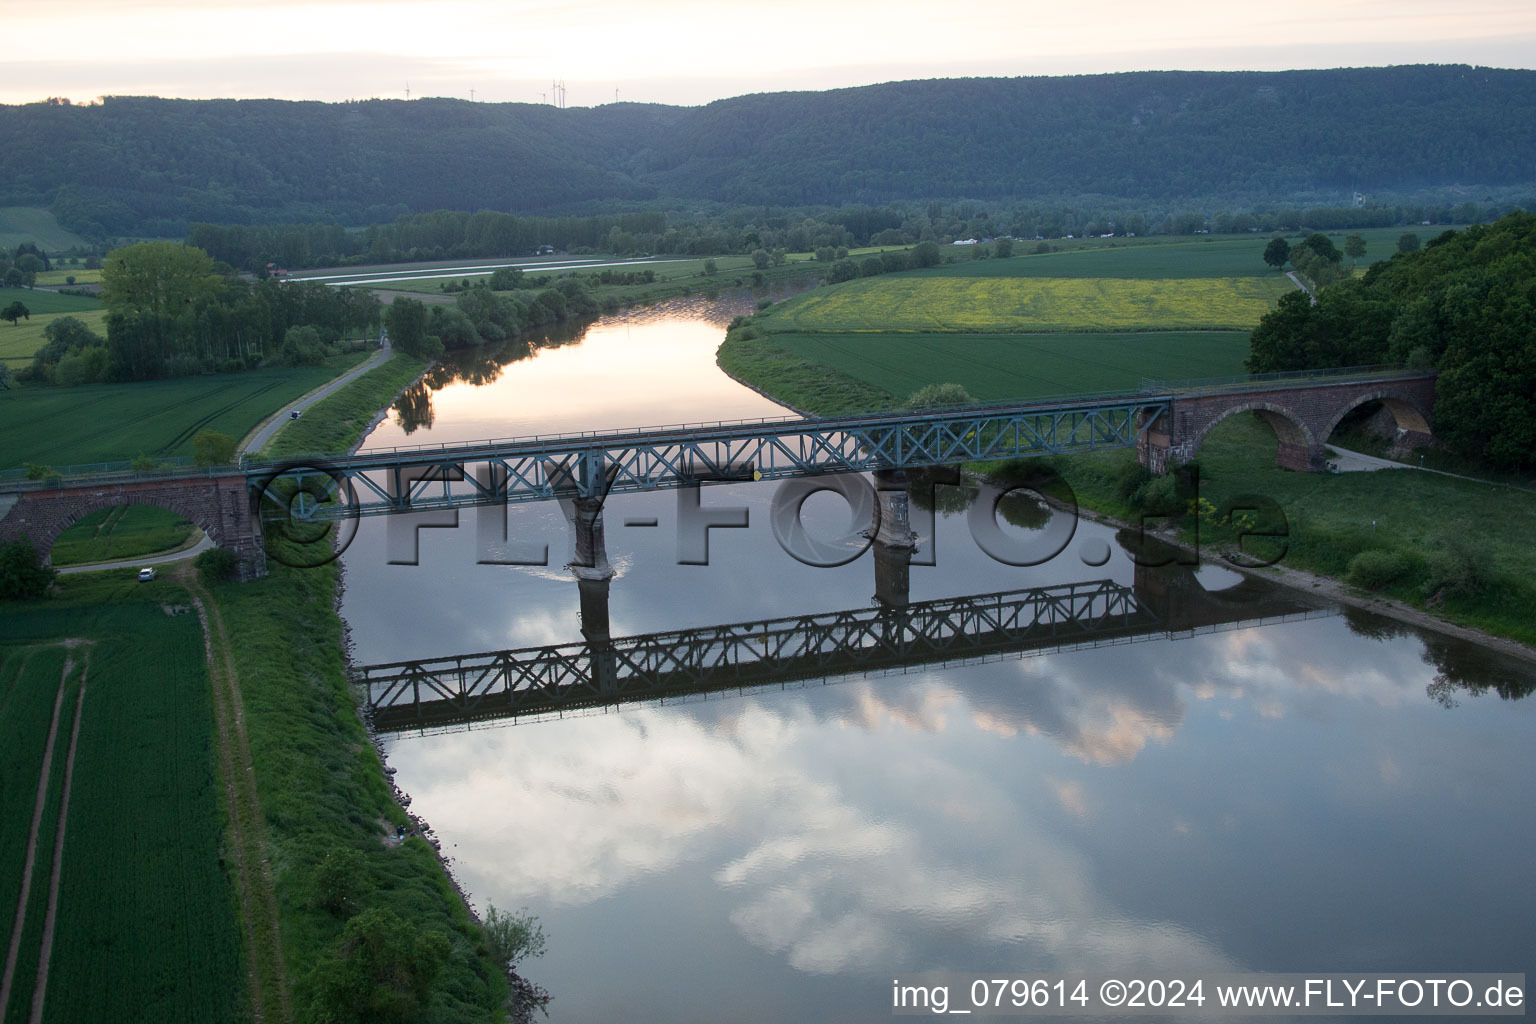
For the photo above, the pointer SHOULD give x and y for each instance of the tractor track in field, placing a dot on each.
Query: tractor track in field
(50, 917)
(45, 774)
(253, 870)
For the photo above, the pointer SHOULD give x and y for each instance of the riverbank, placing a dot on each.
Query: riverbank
(349, 860)
(1396, 542)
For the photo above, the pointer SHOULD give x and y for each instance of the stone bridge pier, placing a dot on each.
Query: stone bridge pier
(1302, 417)
(220, 506)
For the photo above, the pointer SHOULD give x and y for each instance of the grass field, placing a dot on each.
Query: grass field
(60, 278)
(1002, 366)
(20, 224)
(146, 919)
(109, 422)
(909, 302)
(124, 531)
(19, 343)
(1158, 257)
(40, 300)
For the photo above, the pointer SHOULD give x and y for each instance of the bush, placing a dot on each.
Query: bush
(302, 346)
(1159, 496)
(1458, 571)
(211, 448)
(1377, 569)
(142, 464)
(21, 577)
(513, 938)
(216, 565)
(1130, 478)
(939, 396)
(340, 879)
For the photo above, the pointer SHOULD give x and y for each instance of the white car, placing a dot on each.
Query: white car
(147, 573)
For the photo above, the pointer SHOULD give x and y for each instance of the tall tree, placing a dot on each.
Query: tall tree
(1277, 252)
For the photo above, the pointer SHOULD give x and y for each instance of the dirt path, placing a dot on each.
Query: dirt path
(50, 918)
(247, 827)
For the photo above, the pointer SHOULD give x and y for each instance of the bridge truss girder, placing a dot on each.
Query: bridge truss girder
(594, 465)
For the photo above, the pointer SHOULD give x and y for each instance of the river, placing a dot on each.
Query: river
(1324, 792)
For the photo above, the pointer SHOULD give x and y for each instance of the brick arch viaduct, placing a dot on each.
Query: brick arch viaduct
(220, 506)
(1301, 415)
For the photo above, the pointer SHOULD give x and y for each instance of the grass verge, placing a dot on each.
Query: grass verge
(123, 531)
(338, 421)
(323, 792)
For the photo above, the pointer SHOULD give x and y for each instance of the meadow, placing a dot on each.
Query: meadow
(1157, 257)
(20, 342)
(59, 278)
(994, 367)
(59, 426)
(123, 531)
(20, 224)
(146, 920)
(923, 303)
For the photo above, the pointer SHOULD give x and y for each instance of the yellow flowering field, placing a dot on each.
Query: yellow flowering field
(1022, 304)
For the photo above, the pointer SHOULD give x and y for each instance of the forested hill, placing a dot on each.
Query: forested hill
(132, 163)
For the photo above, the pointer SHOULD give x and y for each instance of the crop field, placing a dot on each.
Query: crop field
(29, 685)
(110, 422)
(1027, 305)
(123, 531)
(20, 224)
(19, 343)
(146, 927)
(994, 367)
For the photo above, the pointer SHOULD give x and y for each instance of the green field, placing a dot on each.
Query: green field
(40, 300)
(1156, 258)
(20, 342)
(923, 303)
(20, 224)
(113, 422)
(1002, 366)
(59, 278)
(146, 919)
(123, 531)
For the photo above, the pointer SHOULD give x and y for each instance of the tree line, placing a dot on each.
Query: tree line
(1464, 303)
(173, 311)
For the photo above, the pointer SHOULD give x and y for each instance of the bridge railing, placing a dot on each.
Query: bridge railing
(1280, 379)
(40, 478)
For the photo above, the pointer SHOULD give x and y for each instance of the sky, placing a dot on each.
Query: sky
(691, 52)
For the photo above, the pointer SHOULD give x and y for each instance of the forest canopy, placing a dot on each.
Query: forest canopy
(1464, 304)
(148, 166)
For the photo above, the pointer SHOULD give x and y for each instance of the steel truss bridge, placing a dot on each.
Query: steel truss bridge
(591, 465)
(460, 690)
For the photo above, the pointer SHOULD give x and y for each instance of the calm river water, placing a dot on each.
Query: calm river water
(1324, 793)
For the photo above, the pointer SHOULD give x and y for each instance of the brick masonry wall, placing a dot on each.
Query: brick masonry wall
(219, 506)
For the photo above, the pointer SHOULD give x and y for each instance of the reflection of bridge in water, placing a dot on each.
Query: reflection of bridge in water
(891, 636)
